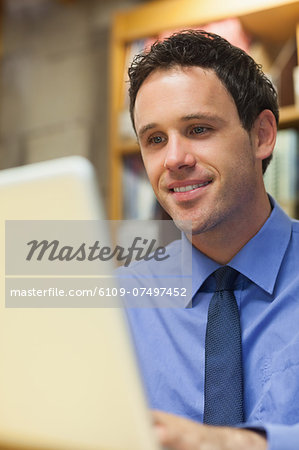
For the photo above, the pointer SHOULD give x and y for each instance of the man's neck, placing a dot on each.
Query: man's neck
(222, 243)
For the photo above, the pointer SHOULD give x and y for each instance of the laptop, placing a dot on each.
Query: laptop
(68, 377)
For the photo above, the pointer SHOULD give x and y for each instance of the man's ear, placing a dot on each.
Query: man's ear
(264, 134)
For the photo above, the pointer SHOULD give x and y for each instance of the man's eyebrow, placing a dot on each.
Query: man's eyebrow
(203, 116)
(145, 128)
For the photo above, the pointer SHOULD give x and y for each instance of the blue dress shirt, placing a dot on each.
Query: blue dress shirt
(170, 342)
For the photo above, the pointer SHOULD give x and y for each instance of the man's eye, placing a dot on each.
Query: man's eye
(198, 130)
(156, 140)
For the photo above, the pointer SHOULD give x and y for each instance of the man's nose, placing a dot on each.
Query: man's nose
(178, 154)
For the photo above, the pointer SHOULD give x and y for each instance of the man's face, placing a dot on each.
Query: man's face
(199, 159)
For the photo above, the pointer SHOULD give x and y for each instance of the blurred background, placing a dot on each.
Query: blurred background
(54, 80)
(63, 72)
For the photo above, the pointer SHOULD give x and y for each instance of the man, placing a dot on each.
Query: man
(206, 118)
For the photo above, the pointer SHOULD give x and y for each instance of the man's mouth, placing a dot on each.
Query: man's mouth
(190, 187)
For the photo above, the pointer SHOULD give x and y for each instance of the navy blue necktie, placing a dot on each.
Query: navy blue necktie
(223, 354)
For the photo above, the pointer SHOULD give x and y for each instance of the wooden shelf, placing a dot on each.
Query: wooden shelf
(128, 147)
(151, 18)
(289, 116)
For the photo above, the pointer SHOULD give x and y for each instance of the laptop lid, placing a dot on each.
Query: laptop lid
(68, 377)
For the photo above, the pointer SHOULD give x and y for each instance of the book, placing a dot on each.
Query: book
(281, 177)
(134, 48)
(139, 201)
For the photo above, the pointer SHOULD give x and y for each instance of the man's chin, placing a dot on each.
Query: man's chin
(192, 227)
(185, 225)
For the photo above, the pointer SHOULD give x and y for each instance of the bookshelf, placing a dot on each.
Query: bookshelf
(289, 117)
(271, 22)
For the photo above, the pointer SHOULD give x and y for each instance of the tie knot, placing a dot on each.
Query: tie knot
(225, 278)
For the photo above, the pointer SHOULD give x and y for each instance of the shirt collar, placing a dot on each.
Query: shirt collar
(259, 260)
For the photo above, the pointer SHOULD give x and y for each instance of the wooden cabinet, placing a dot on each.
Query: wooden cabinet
(271, 22)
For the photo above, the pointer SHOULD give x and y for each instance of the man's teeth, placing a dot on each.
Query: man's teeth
(190, 187)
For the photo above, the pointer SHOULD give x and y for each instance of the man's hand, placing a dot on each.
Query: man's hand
(177, 433)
